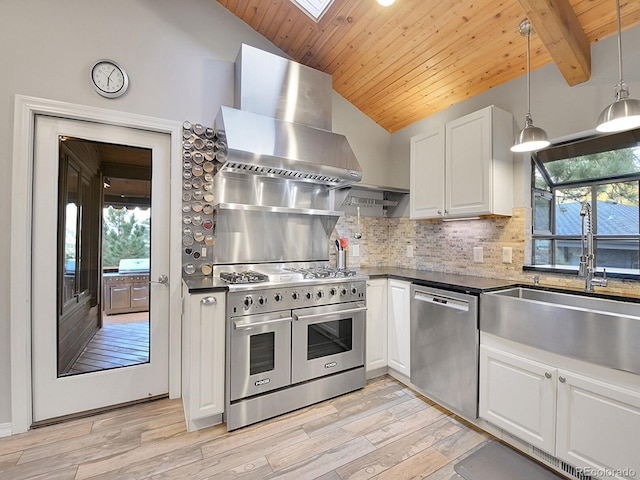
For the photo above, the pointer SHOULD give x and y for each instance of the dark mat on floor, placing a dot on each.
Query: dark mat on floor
(496, 461)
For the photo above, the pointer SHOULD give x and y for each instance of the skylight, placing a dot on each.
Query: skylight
(314, 8)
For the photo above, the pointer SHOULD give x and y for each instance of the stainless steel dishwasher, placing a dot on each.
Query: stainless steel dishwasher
(444, 347)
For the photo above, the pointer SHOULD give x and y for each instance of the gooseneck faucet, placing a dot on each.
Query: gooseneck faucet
(587, 266)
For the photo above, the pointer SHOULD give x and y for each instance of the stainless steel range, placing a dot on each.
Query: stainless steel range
(295, 327)
(295, 336)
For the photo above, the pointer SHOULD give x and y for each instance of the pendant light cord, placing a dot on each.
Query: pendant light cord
(619, 42)
(529, 72)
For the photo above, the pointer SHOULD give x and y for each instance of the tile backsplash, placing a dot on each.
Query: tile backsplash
(449, 247)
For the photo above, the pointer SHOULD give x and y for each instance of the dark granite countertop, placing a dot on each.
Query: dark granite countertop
(204, 284)
(449, 281)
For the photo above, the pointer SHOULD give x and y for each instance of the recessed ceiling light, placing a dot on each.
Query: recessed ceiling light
(385, 3)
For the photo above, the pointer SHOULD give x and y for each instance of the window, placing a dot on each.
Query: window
(604, 171)
(314, 8)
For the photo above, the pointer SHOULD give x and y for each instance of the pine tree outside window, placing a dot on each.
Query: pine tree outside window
(125, 235)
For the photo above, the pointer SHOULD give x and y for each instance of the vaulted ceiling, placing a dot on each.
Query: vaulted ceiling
(402, 63)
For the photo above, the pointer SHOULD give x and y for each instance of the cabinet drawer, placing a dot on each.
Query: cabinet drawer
(119, 297)
(140, 296)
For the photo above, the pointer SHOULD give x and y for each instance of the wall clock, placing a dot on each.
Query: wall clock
(109, 79)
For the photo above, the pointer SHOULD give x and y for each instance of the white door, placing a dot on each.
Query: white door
(55, 395)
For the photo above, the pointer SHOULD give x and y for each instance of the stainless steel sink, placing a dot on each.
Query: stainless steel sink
(597, 330)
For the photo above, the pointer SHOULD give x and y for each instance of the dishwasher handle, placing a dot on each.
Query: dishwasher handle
(442, 300)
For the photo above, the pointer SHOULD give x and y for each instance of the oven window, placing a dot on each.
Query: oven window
(261, 353)
(329, 338)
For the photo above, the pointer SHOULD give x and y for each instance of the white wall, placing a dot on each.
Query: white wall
(369, 141)
(179, 56)
(558, 108)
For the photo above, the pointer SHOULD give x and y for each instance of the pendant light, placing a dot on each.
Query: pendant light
(530, 138)
(624, 113)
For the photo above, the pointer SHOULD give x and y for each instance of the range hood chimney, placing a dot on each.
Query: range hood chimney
(281, 123)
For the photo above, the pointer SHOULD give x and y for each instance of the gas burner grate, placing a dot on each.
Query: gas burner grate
(323, 272)
(243, 277)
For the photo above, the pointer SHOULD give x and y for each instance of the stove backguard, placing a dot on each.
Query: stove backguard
(262, 220)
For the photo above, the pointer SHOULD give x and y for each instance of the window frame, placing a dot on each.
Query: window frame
(537, 165)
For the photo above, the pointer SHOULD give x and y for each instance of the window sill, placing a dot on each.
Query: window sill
(621, 273)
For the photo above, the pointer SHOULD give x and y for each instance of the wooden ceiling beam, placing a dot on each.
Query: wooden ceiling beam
(559, 29)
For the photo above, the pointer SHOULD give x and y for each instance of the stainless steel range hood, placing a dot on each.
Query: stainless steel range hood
(281, 126)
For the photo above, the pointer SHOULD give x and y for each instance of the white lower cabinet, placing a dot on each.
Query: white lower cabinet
(398, 327)
(376, 356)
(598, 425)
(203, 357)
(519, 396)
(587, 422)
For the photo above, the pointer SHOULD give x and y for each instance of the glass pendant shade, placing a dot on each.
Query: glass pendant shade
(624, 113)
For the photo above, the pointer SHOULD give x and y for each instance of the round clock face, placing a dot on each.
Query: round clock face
(109, 79)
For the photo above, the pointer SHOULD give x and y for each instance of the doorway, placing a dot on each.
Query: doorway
(68, 268)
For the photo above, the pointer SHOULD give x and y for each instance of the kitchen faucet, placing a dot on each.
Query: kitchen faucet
(587, 267)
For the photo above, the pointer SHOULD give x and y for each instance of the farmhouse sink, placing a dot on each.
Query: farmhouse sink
(598, 330)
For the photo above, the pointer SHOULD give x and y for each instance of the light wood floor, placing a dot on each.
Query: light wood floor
(385, 431)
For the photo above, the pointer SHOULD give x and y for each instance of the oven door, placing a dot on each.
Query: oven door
(260, 358)
(327, 340)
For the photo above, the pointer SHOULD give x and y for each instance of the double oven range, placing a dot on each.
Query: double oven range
(295, 336)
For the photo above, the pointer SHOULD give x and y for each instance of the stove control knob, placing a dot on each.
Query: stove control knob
(319, 294)
(343, 292)
(295, 295)
(308, 296)
(262, 300)
(277, 297)
(333, 291)
(354, 290)
(248, 301)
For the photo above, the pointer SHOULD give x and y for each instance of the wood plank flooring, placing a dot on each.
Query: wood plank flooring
(119, 343)
(384, 431)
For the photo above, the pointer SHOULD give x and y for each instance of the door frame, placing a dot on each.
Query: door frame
(25, 110)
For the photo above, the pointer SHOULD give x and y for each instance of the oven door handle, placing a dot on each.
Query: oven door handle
(326, 314)
(238, 325)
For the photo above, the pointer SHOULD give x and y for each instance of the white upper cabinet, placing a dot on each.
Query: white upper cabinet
(464, 168)
(426, 181)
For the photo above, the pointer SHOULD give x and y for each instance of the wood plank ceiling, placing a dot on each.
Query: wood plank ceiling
(402, 63)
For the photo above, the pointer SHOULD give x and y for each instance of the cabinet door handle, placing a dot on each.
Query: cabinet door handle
(562, 379)
(547, 374)
(209, 301)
